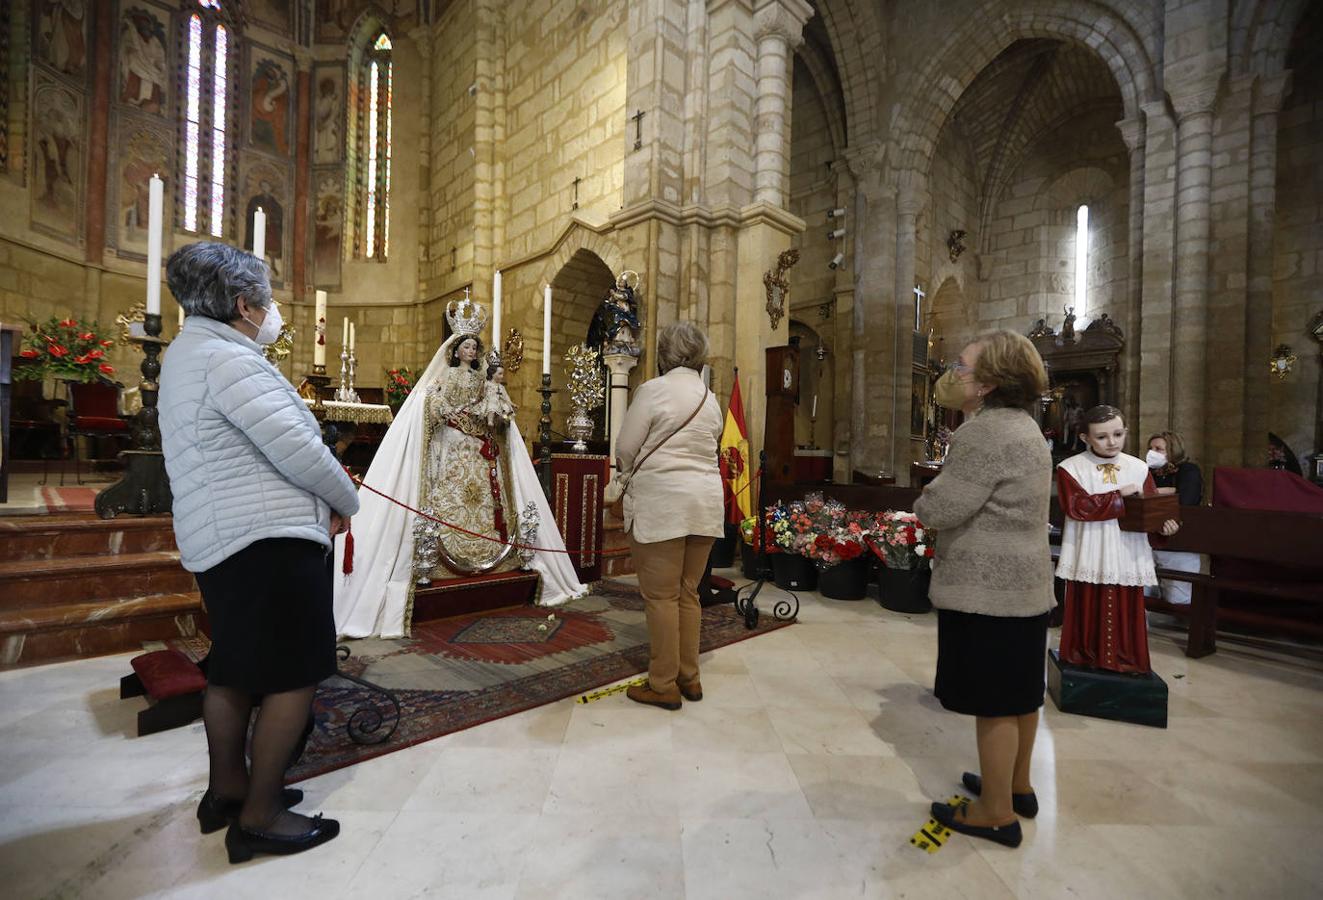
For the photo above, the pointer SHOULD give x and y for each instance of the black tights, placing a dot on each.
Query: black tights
(278, 732)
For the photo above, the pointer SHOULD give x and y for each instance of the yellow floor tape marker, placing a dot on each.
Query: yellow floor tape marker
(608, 691)
(932, 836)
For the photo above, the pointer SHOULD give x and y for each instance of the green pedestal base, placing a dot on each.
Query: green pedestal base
(1139, 699)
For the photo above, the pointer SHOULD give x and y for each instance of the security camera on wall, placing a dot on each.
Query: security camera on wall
(836, 261)
(838, 213)
(836, 234)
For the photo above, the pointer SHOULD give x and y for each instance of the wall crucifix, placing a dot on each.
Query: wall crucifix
(638, 129)
(918, 307)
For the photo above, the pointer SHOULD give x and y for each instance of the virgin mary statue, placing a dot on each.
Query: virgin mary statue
(454, 453)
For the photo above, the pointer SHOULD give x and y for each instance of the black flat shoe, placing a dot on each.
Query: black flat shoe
(241, 843)
(214, 813)
(1025, 805)
(1007, 835)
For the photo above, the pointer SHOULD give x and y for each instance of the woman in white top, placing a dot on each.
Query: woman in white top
(673, 507)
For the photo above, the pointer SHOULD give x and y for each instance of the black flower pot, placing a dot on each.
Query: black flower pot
(905, 590)
(793, 572)
(845, 581)
(749, 563)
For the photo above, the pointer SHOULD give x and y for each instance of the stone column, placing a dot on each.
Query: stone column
(908, 205)
(872, 326)
(1194, 169)
(1155, 335)
(1133, 133)
(103, 31)
(1269, 94)
(620, 365)
(302, 175)
(780, 25)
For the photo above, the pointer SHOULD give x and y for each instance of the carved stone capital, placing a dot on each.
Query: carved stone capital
(1195, 97)
(1270, 93)
(302, 59)
(421, 35)
(781, 18)
(1132, 131)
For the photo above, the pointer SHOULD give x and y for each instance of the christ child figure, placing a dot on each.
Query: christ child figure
(497, 407)
(1105, 569)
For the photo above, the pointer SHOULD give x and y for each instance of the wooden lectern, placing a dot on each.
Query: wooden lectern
(779, 422)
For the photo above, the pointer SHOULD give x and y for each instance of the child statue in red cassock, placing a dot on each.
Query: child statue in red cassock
(1105, 569)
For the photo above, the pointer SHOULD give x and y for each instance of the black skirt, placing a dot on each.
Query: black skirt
(990, 665)
(271, 616)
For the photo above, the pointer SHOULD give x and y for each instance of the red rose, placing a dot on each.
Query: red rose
(29, 354)
(57, 350)
(108, 370)
(106, 343)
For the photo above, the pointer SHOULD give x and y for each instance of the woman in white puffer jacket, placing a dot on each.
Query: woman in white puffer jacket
(257, 500)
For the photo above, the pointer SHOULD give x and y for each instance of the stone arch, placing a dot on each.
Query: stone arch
(856, 41)
(579, 237)
(828, 89)
(1261, 33)
(951, 318)
(816, 378)
(931, 92)
(577, 287)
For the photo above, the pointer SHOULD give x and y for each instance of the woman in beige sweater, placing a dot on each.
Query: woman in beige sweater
(992, 574)
(673, 507)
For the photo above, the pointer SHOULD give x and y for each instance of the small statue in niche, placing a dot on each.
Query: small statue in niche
(955, 244)
(616, 325)
(1068, 326)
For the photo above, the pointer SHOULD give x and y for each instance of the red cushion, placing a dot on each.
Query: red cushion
(97, 423)
(168, 673)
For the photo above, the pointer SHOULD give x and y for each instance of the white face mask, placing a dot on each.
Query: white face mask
(1156, 459)
(269, 330)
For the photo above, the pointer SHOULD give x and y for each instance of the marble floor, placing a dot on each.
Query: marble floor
(802, 773)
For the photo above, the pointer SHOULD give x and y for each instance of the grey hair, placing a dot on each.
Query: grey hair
(208, 278)
(681, 344)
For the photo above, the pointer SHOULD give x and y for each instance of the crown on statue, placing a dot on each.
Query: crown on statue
(466, 316)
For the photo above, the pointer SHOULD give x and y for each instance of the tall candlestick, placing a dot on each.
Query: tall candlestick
(319, 326)
(155, 204)
(352, 342)
(259, 234)
(546, 331)
(496, 310)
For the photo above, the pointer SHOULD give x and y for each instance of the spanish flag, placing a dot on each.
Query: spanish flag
(735, 459)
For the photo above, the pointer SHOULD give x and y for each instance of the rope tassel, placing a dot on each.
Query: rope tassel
(348, 567)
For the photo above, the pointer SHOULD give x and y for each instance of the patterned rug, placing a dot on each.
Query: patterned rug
(70, 499)
(456, 673)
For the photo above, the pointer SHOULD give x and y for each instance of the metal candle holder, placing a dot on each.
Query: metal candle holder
(544, 436)
(144, 489)
(345, 393)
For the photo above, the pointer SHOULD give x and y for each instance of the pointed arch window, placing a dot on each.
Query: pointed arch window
(205, 120)
(375, 150)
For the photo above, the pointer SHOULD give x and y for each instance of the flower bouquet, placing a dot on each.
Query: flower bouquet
(793, 532)
(905, 547)
(399, 382)
(64, 349)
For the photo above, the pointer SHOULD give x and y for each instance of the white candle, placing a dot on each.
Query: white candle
(155, 204)
(546, 331)
(351, 338)
(344, 338)
(259, 234)
(814, 414)
(496, 310)
(181, 317)
(319, 325)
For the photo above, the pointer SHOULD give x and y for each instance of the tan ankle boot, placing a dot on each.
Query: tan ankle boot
(692, 691)
(643, 693)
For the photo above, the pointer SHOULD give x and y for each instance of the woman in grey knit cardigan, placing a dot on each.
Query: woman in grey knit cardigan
(992, 574)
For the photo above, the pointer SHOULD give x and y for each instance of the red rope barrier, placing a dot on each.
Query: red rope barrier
(418, 512)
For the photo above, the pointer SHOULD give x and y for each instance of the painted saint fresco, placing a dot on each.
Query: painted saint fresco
(270, 105)
(61, 35)
(328, 225)
(143, 153)
(142, 60)
(57, 158)
(329, 109)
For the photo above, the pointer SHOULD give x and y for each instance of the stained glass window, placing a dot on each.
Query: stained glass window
(1081, 260)
(375, 152)
(192, 123)
(206, 89)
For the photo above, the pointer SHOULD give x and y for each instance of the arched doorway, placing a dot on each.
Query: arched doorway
(817, 389)
(577, 290)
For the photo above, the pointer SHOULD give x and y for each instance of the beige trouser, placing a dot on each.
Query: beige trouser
(669, 572)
